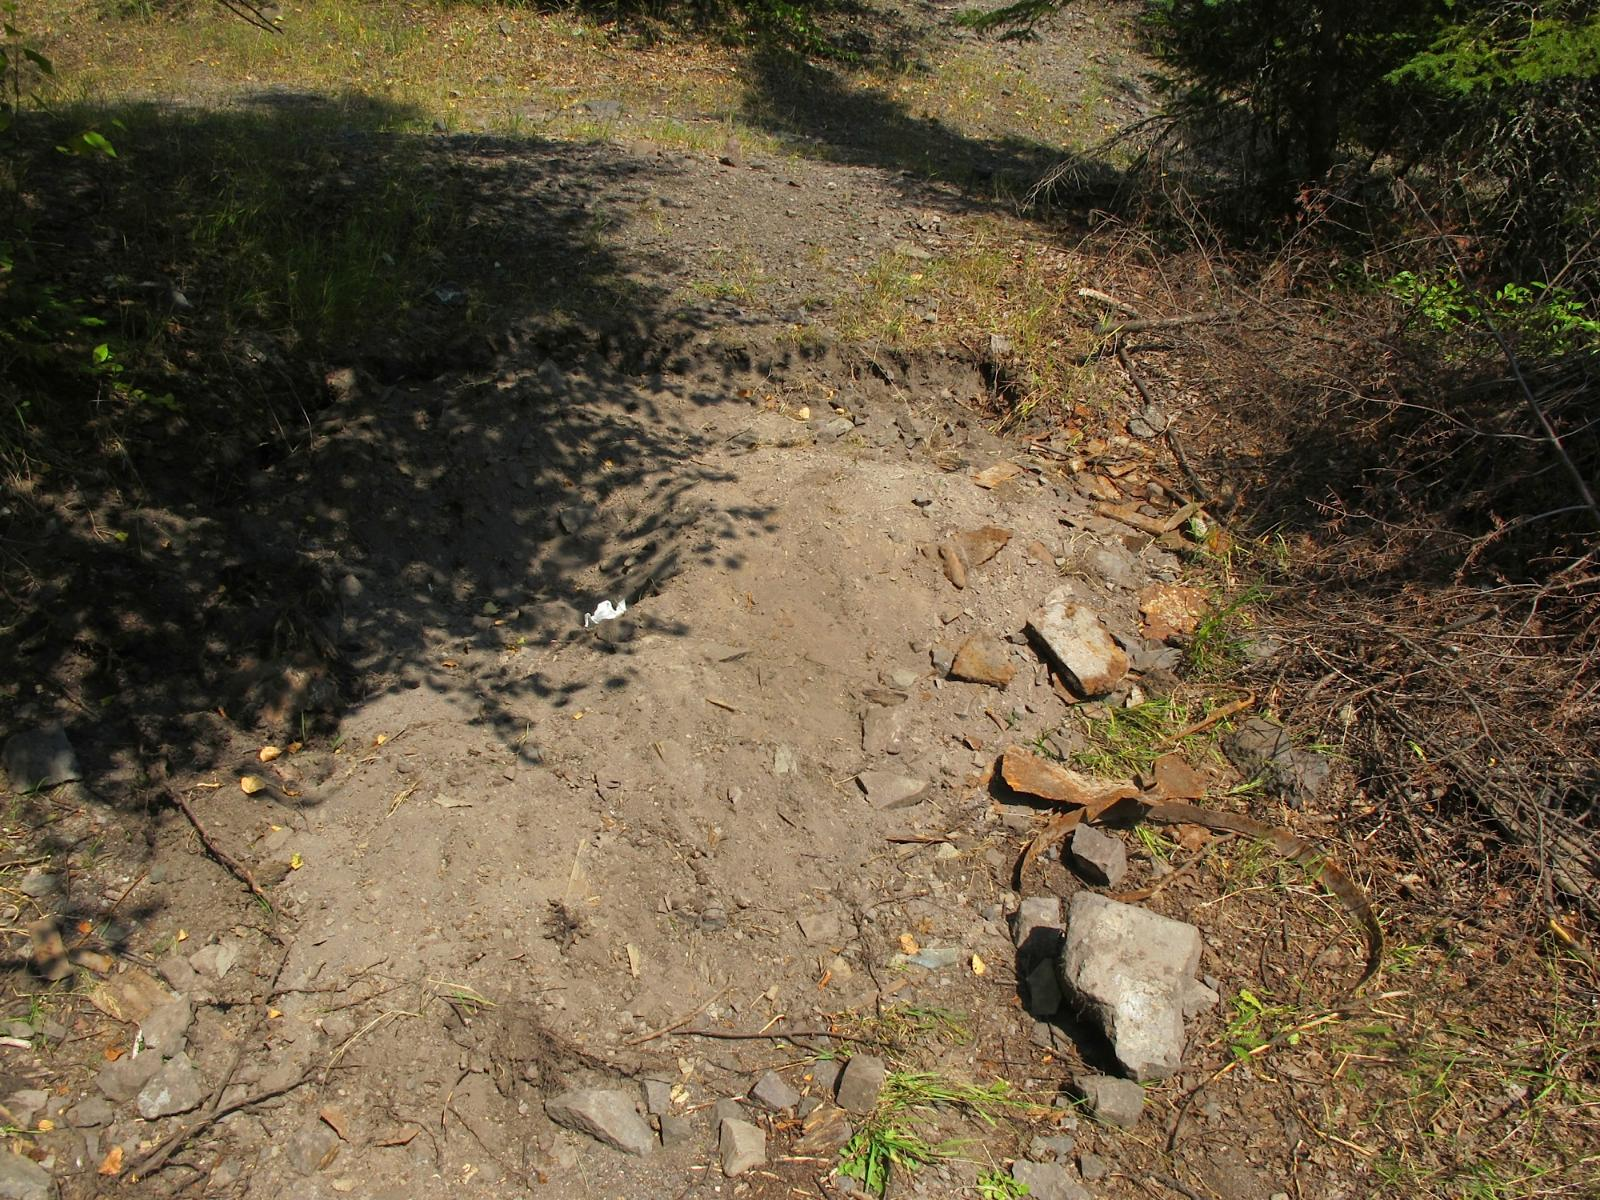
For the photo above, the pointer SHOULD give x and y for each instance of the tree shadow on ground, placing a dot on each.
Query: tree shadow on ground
(369, 406)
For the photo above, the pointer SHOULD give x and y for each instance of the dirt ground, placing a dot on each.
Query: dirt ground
(501, 854)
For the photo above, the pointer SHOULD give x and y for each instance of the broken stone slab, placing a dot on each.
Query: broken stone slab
(1176, 779)
(122, 1080)
(1034, 775)
(1059, 1147)
(772, 1091)
(1098, 857)
(216, 959)
(23, 1179)
(1263, 749)
(1132, 971)
(820, 927)
(1076, 641)
(313, 1147)
(983, 658)
(1037, 928)
(883, 730)
(1092, 1167)
(826, 1129)
(40, 758)
(676, 1130)
(175, 1088)
(1047, 1181)
(743, 1147)
(978, 546)
(888, 790)
(1172, 610)
(166, 1030)
(604, 1114)
(657, 1096)
(861, 1082)
(1112, 1101)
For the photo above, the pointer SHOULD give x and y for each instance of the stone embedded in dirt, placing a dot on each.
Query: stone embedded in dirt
(773, 1091)
(826, 1129)
(216, 959)
(38, 884)
(40, 758)
(26, 1104)
(1044, 990)
(1263, 749)
(819, 927)
(955, 570)
(1132, 971)
(604, 1114)
(1034, 775)
(313, 1147)
(783, 761)
(978, 546)
(1176, 780)
(1149, 422)
(887, 790)
(1112, 1101)
(122, 1080)
(861, 1082)
(175, 1088)
(166, 1029)
(90, 1113)
(983, 658)
(835, 429)
(657, 1096)
(883, 731)
(1172, 610)
(676, 1130)
(1093, 1168)
(1098, 857)
(1038, 921)
(131, 996)
(23, 1179)
(1047, 1181)
(1077, 642)
(1059, 1147)
(743, 1147)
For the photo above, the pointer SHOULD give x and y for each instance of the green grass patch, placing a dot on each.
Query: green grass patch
(1127, 741)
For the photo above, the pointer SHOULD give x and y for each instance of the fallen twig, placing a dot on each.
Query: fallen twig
(679, 1024)
(157, 1158)
(1221, 714)
(239, 870)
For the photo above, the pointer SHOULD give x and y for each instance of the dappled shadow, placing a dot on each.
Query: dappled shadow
(416, 424)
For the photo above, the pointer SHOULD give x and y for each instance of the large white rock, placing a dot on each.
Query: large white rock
(1133, 972)
(1079, 645)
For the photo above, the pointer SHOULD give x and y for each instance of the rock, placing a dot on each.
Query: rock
(1112, 1101)
(1149, 422)
(603, 110)
(1038, 927)
(772, 1091)
(1034, 775)
(1092, 1167)
(166, 1029)
(178, 974)
(1044, 990)
(131, 996)
(313, 1147)
(1098, 857)
(930, 958)
(27, 1103)
(122, 1080)
(1043, 1149)
(861, 1082)
(175, 1088)
(942, 658)
(882, 731)
(575, 518)
(676, 1130)
(783, 762)
(887, 790)
(1076, 641)
(955, 570)
(1177, 780)
(23, 1179)
(91, 1113)
(743, 1147)
(607, 1116)
(1172, 611)
(217, 959)
(38, 884)
(1132, 971)
(40, 758)
(983, 658)
(978, 546)
(657, 1097)
(1047, 1181)
(1264, 750)
(826, 1129)
(819, 927)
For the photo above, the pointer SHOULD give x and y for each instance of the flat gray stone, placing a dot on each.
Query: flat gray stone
(604, 1114)
(40, 758)
(1099, 857)
(820, 927)
(1112, 1101)
(1259, 748)
(166, 1029)
(1074, 639)
(23, 1179)
(1132, 972)
(1092, 1167)
(313, 1147)
(983, 658)
(743, 1147)
(91, 1112)
(657, 1097)
(27, 1103)
(883, 730)
(216, 959)
(772, 1091)
(726, 1110)
(1047, 1181)
(175, 1088)
(122, 1080)
(1037, 926)
(861, 1083)
(1059, 1148)
(676, 1130)
(887, 790)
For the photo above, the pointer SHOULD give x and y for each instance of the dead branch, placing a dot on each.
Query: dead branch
(240, 871)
